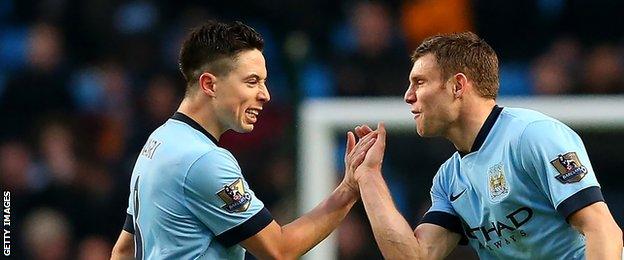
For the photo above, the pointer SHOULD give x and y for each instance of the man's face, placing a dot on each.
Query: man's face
(242, 92)
(429, 97)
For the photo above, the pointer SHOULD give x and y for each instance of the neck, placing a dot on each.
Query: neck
(196, 108)
(470, 121)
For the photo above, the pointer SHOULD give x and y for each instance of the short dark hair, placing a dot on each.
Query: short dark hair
(466, 53)
(213, 47)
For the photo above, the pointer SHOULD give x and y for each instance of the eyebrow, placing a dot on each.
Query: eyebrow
(417, 77)
(254, 76)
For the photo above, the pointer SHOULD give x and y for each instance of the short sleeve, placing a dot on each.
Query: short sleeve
(129, 222)
(218, 195)
(555, 158)
(130, 209)
(441, 212)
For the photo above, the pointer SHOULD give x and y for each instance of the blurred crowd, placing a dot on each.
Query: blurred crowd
(83, 83)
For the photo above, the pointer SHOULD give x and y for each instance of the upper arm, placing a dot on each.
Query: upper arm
(440, 229)
(595, 216)
(265, 244)
(555, 159)
(218, 195)
(441, 213)
(436, 241)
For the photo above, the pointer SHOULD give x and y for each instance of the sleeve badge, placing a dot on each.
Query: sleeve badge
(569, 167)
(235, 197)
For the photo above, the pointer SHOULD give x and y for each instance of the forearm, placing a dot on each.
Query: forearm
(604, 243)
(308, 230)
(393, 234)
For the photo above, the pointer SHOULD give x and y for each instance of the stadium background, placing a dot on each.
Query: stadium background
(82, 84)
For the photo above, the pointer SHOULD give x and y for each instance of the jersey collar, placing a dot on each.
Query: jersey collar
(485, 130)
(189, 121)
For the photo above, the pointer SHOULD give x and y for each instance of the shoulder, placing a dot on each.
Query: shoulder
(528, 124)
(211, 170)
(525, 117)
(450, 163)
(216, 160)
(183, 140)
(447, 169)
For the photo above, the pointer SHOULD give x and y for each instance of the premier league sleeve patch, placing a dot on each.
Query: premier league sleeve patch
(569, 167)
(235, 197)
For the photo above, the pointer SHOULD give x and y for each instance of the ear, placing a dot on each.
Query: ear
(207, 84)
(460, 84)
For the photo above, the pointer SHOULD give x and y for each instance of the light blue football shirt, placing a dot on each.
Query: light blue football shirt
(512, 194)
(188, 198)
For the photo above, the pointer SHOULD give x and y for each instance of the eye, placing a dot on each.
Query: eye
(420, 82)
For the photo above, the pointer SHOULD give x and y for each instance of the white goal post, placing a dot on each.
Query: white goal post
(320, 119)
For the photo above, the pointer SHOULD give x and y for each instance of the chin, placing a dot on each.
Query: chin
(242, 129)
(246, 128)
(422, 132)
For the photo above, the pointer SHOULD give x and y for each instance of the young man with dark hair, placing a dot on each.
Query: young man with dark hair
(189, 199)
(520, 185)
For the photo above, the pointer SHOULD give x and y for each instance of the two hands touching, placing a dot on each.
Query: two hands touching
(364, 157)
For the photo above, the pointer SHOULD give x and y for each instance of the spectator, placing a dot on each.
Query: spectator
(47, 235)
(39, 89)
(365, 70)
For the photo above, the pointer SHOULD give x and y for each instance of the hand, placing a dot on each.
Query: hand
(374, 156)
(362, 130)
(355, 153)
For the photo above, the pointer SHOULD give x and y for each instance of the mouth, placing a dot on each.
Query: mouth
(416, 114)
(252, 114)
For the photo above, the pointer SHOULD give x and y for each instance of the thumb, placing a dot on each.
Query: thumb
(381, 134)
(350, 143)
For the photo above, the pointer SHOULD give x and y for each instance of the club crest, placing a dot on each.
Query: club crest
(569, 167)
(235, 197)
(498, 188)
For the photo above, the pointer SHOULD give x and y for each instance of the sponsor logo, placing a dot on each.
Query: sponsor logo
(235, 197)
(569, 167)
(453, 198)
(497, 234)
(498, 188)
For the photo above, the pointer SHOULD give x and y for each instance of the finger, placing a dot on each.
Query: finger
(360, 154)
(350, 145)
(358, 131)
(381, 129)
(350, 142)
(363, 130)
(381, 136)
(363, 146)
(367, 128)
(361, 142)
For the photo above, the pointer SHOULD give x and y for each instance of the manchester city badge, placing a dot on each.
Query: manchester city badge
(498, 188)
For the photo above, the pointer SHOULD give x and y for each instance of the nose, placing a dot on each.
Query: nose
(264, 95)
(410, 95)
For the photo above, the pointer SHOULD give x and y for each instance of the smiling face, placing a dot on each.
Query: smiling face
(430, 97)
(241, 93)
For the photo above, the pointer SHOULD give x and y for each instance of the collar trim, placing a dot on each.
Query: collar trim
(192, 123)
(485, 130)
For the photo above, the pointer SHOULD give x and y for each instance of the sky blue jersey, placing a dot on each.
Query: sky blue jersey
(511, 195)
(188, 198)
